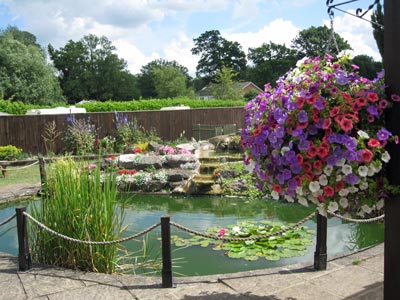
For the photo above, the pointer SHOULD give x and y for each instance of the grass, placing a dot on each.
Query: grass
(20, 175)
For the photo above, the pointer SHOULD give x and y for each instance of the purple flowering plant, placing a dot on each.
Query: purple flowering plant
(319, 137)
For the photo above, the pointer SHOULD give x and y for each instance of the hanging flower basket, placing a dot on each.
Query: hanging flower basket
(319, 137)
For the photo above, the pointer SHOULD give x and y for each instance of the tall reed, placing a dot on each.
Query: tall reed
(79, 202)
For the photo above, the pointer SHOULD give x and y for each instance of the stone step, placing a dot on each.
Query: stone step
(220, 159)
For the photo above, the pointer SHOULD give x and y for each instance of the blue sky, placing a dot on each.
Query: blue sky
(144, 30)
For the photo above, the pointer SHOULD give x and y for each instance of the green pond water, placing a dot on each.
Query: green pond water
(200, 213)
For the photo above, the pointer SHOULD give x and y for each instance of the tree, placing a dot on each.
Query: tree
(378, 20)
(215, 53)
(368, 67)
(270, 61)
(224, 87)
(146, 76)
(88, 69)
(318, 41)
(169, 82)
(24, 73)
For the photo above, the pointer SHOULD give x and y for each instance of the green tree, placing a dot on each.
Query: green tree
(215, 53)
(318, 41)
(146, 77)
(378, 20)
(169, 82)
(270, 61)
(24, 73)
(368, 67)
(89, 69)
(224, 87)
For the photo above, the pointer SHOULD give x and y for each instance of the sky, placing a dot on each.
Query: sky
(145, 30)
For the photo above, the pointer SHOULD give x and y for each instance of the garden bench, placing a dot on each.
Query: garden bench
(4, 164)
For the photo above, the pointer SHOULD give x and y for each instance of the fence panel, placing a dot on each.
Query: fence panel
(26, 132)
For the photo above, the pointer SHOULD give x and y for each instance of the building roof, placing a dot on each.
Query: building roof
(240, 85)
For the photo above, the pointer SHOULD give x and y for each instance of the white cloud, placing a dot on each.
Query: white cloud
(278, 31)
(358, 34)
(245, 8)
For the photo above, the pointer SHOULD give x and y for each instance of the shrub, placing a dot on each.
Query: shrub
(80, 136)
(9, 152)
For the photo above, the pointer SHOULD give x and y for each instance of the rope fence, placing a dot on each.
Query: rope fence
(23, 167)
(320, 255)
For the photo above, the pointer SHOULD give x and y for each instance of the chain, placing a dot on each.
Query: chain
(24, 167)
(333, 37)
(7, 220)
(90, 242)
(228, 239)
(381, 217)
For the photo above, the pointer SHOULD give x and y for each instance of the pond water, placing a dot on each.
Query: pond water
(200, 213)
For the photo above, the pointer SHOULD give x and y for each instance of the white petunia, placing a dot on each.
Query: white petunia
(385, 157)
(343, 192)
(363, 134)
(333, 206)
(343, 202)
(363, 185)
(313, 199)
(371, 171)
(314, 186)
(353, 189)
(322, 210)
(339, 177)
(299, 191)
(284, 150)
(289, 198)
(347, 169)
(302, 201)
(323, 180)
(366, 209)
(275, 195)
(341, 162)
(363, 171)
(380, 204)
(328, 170)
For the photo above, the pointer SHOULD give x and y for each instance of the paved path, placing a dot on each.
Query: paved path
(356, 276)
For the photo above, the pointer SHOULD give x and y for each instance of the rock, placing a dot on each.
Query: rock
(239, 185)
(176, 161)
(190, 147)
(154, 186)
(228, 174)
(139, 162)
(229, 142)
(175, 175)
(154, 146)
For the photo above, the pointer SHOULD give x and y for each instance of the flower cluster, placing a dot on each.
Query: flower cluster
(319, 136)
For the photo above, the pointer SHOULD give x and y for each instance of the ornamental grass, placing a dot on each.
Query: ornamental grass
(81, 203)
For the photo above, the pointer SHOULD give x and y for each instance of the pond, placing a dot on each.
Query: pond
(200, 213)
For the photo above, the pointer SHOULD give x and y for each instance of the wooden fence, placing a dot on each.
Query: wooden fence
(26, 132)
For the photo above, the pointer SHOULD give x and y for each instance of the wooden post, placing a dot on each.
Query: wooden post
(42, 168)
(392, 205)
(320, 255)
(166, 252)
(24, 256)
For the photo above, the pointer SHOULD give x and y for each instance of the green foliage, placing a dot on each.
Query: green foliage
(89, 69)
(9, 152)
(292, 243)
(224, 88)
(314, 41)
(368, 67)
(24, 74)
(216, 52)
(80, 136)
(148, 80)
(378, 22)
(156, 104)
(13, 107)
(169, 82)
(270, 61)
(127, 132)
(80, 203)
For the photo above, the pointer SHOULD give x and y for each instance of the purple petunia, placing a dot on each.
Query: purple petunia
(383, 134)
(351, 178)
(372, 110)
(303, 116)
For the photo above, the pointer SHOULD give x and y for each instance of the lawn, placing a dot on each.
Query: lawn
(20, 175)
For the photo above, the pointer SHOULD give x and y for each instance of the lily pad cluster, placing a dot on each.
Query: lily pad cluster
(291, 243)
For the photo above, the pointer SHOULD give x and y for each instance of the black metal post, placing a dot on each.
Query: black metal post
(24, 256)
(166, 252)
(320, 255)
(392, 205)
